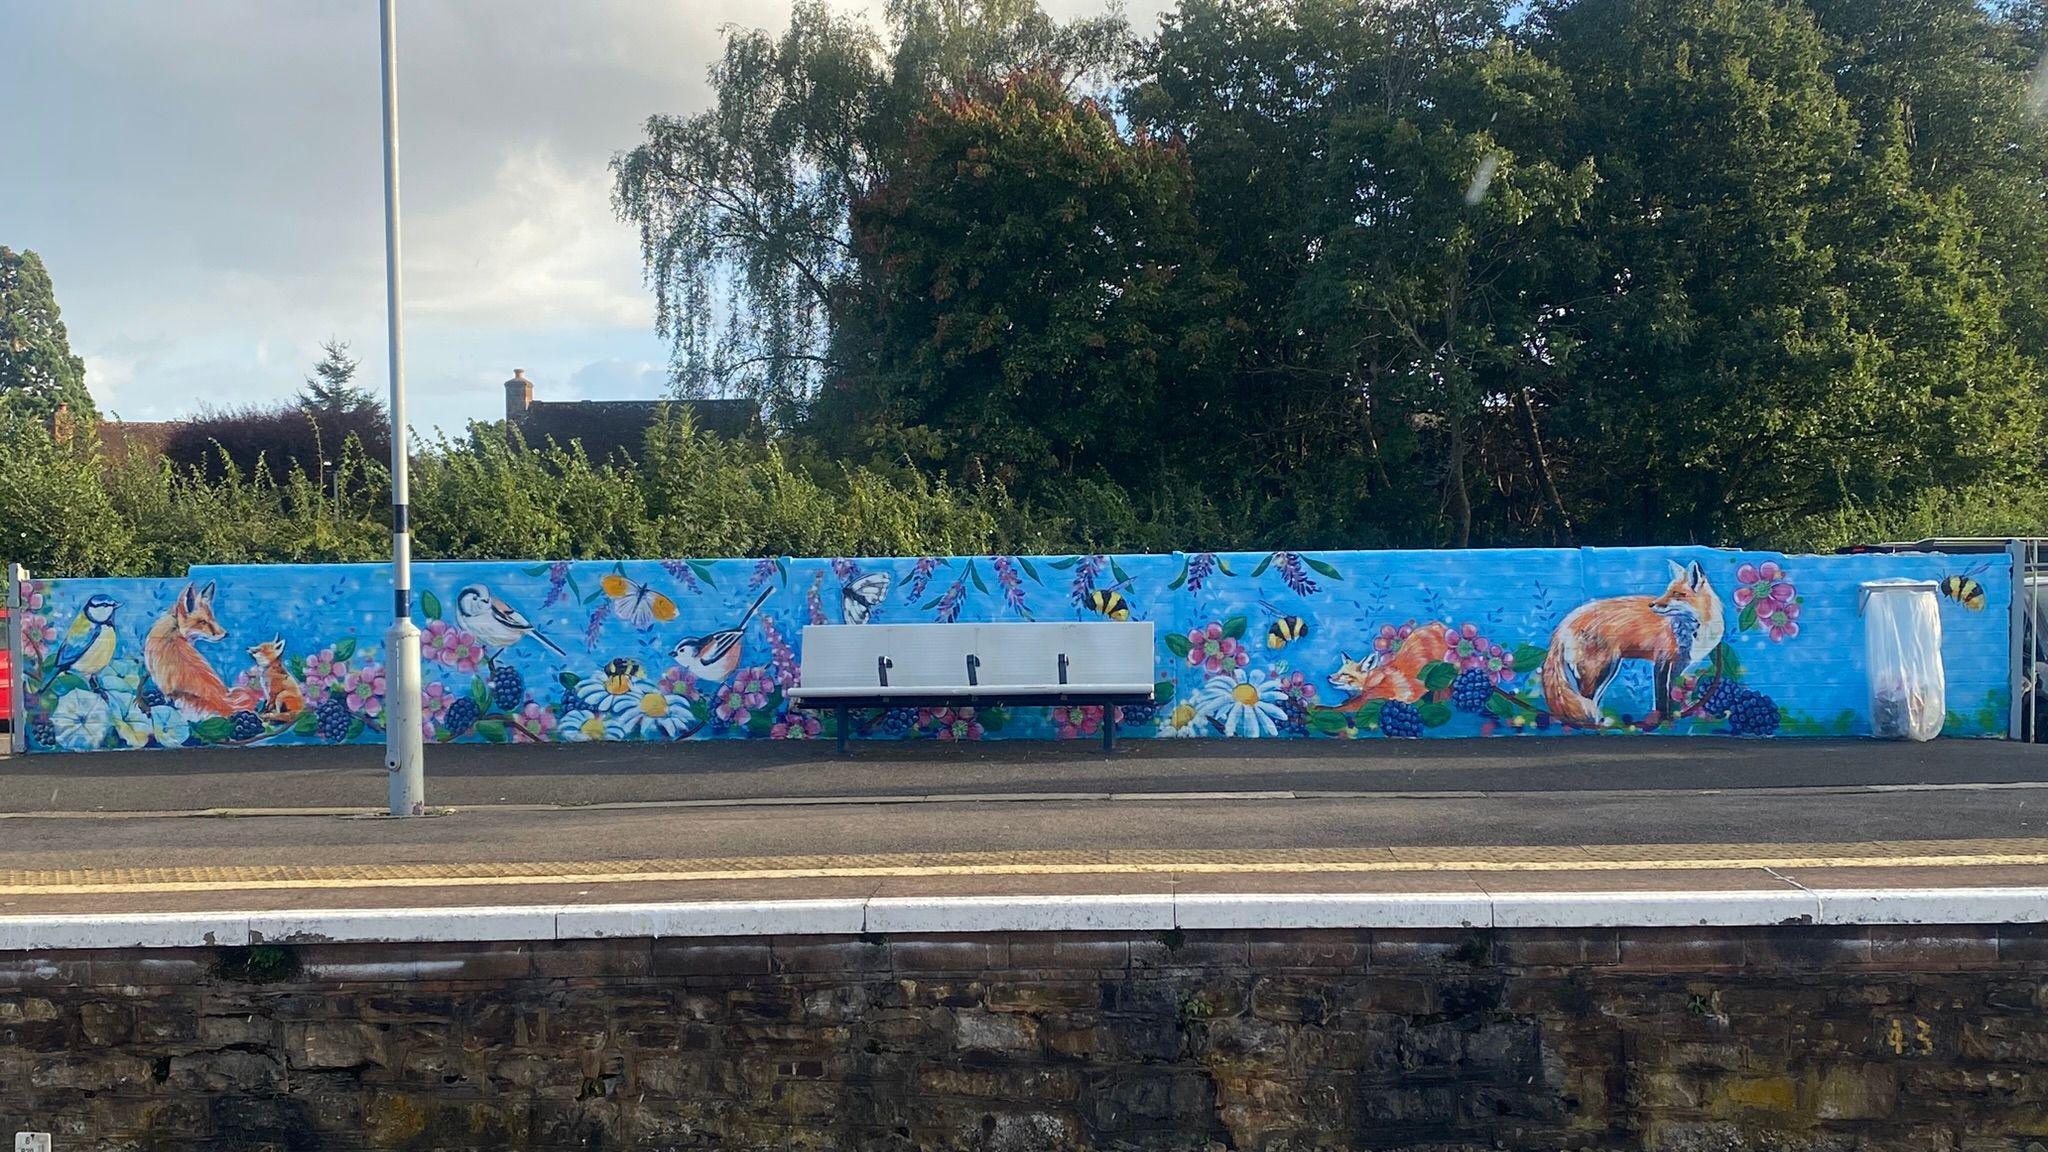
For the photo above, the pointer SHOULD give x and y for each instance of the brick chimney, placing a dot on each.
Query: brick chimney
(518, 395)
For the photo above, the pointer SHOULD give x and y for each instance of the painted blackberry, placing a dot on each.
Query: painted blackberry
(894, 722)
(1723, 698)
(1399, 719)
(1754, 714)
(248, 725)
(45, 733)
(334, 719)
(1295, 722)
(460, 717)
(508, 689)
(1471, 690)
(1137, 715)
(151, 697)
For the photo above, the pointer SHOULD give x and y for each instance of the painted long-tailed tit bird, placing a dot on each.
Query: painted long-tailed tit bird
(715, 656)
(498, 624)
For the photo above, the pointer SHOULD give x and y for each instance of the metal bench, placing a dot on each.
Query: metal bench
(848, 666)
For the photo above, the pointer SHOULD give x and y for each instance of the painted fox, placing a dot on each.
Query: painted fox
(180, 672)
(283, 696)
(1395, 676)
(1673, 631)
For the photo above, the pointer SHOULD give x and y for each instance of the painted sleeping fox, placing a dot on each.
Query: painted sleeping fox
(1395, 676)
(1674, 632)
(283, 696)
(174, 662)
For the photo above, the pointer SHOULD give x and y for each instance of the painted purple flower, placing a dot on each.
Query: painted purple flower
(845, 569)
(1765, 590)
(1471, 650)
(764, 571)
(683, 574)
(920, 576)
(950, 602)
(558, 580)
(743, 695)
(598, 616)
(1213, 652)
(814, 601)
(782, 661)
(1294, 574)
(1086, 568)
(1201, 566)
(1011, 581)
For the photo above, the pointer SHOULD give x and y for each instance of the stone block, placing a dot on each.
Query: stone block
(1857, 1092)
(993, 1031)
(106, 1023)
(1293, 999)
(333, 1044)
(819, 955)
(592, 959)
(1070, 951)
(1317, 949)
(1043, 996)
(227, 1070)
(714, 957)
(1557, 947)
(1732, 1096)
(1921, 948)
(972, 953)
(1425, 949)
(1681, 949)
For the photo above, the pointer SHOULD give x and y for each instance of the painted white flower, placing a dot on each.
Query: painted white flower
(169, 726)
(81, 720)
(654, 714)
(1244, 702)
(122, 676)
(1183, 719)
(131, 723)
(583, 724)
(594, 694)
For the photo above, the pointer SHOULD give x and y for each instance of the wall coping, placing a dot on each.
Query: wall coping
(1052, 913)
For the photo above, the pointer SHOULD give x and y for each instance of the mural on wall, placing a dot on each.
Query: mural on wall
(1339, 645)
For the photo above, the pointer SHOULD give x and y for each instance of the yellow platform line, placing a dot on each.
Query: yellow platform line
(1212, 862)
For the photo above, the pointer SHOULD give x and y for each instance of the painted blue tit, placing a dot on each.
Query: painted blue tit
(89, 643)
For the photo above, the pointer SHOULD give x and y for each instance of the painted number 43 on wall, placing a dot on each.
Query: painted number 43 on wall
(1907, 1036)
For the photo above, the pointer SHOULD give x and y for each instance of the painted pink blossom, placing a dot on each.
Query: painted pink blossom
(364, 691)
(782, 661)
(1390, 637)
(534, 723)
(1213, 652)
(1075, 721)
(1471, 650)
(435, 699)
(950, 723)
(1766, 590)
(451, 647)
(795, 726)
(323, 671)
(743, 695)
(921, 576)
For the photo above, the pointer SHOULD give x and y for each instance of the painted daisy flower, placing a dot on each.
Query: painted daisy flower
(655, 715)
(1244, 703)
(1184, 720)
(594, 694)
(580, 724)
(81, 720)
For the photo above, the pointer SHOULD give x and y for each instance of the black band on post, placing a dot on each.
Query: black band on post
(401, 601)
(401, 519)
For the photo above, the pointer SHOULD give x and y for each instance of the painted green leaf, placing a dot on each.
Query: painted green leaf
(344, 648)
(1029, 568)
(703, 572)
(307, 724)
(1117, 570)
(1163, 691)
(1435, 713)
(214, 730)
(1748, 618)
(1179, 581)
(1502, 705)
(1369, 713)
(355, 730)
(1224, 566)
(1328, 721)
(567, 680)
(1322, 568)
(1263, 565)
(491, 730)
(1063, 564)
(1528, 657)
(65, 682)
(974, 574)
(1438, 675)
(430, 606)
(993, 719)
(480, 692)
(297, 667)
(1177, 644)
(535, 570)
(1234, 627)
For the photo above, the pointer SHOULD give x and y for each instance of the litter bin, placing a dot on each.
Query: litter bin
(1902, 651)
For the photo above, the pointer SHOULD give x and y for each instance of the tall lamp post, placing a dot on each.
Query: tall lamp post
(404, 752)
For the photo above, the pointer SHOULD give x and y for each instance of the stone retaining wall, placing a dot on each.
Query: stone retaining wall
(1795, 1038)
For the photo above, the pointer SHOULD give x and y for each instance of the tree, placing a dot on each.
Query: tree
(38, 372)
(1030, 292)
(743, 208)
(331, 391)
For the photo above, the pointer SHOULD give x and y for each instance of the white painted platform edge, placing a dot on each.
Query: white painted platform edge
(1120, 912)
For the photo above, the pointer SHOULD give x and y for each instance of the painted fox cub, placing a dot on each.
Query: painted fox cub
(1674, 632)
(174, 663)
(283, 696)
(1395, 676)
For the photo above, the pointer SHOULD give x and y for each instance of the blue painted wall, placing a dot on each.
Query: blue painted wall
(1313, 644)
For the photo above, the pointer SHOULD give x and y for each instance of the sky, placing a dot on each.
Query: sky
(204, 181)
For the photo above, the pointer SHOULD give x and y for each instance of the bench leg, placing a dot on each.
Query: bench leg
(840, 725)
(1108, 728)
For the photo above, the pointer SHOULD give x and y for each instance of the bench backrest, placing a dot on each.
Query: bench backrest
(1101, 655)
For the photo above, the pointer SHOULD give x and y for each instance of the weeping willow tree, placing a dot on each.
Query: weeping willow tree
(743, 208)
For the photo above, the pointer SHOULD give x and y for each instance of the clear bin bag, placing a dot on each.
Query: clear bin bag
(1902, 650)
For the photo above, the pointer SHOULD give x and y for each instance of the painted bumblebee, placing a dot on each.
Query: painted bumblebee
(1286, 630)
(620, 674)
(1963, 588)
(1108, 602)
